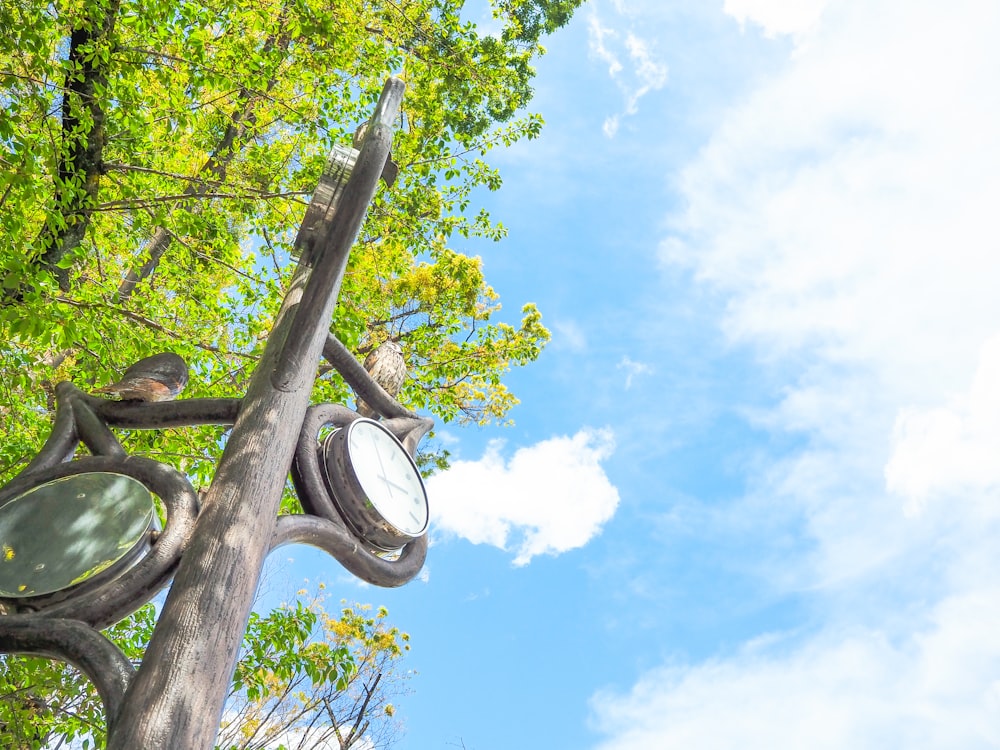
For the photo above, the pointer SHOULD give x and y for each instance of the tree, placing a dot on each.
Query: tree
(306, 678)
(156, 156)
(335, 691)
(47, 703)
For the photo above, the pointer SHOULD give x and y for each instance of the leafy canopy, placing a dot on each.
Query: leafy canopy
(155, 161)
(156, 158)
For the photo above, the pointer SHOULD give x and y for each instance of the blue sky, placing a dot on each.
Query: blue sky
(751, 496)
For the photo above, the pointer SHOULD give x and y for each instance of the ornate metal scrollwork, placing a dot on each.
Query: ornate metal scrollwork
(77, 421)
(66, 624)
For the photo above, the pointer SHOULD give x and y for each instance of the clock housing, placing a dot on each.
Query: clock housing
(375, 484)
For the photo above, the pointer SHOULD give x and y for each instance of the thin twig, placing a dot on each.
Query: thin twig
(149, 323)
(146, 202)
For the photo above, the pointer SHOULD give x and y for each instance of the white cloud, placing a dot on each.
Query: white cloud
(951, 449)
(847, 206)
(549, 498)
(611, 125)
(850, 690)
(644, 74)
(633, 369)
(650, 74)
(597, 35)
(846, 210)
(447, 438)
(777, 16)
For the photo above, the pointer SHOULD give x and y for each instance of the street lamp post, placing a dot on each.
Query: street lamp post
(214, 550)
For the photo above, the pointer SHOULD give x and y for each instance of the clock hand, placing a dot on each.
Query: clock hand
(397, 486)
(381, 466)
(378, 455)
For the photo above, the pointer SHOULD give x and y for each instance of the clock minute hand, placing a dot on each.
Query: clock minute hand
(378, 453)
(381, 465)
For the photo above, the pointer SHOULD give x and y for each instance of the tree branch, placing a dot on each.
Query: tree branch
(212, 172)
(353, 734)
(149, 323)
(122, 205)
(79, 168)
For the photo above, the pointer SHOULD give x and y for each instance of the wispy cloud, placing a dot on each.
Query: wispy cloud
(599, 36)
(640, 74)
(650, 75)
(548, 498)
(935, 690)
(633, 369)
(845, 209)
(570, 335)
(952, 452)
(777, 16)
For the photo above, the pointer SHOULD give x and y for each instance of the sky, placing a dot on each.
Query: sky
(751, 497)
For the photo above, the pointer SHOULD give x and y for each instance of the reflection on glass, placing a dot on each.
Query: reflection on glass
(67, 531)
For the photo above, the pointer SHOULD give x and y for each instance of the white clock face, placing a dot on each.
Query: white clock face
(388, 477)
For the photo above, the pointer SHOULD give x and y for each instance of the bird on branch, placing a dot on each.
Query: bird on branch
(158, 378)
(387, 367)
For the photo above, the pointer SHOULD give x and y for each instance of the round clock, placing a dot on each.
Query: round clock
(375, 484)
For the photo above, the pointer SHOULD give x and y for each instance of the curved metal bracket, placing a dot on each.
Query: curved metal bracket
(334, 539)
(107, 604)
(78, 644)
(322, 526)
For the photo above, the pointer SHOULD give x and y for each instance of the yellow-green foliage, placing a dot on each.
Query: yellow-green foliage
(178, 142)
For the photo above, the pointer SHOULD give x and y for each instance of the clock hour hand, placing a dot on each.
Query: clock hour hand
(394, 484)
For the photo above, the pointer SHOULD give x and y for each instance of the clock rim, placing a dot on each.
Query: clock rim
(350, 498)
(413, 467)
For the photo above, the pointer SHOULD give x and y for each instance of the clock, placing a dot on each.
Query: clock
(375, 484)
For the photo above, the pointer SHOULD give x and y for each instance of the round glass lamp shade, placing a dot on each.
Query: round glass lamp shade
(86, 527)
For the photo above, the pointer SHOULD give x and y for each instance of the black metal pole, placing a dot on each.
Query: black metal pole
(176, 699)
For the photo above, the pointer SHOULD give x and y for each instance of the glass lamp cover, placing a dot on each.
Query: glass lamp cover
(67, 531)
